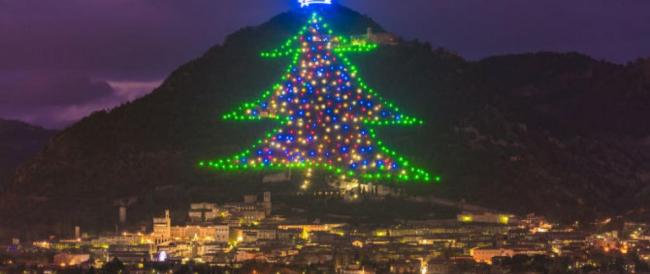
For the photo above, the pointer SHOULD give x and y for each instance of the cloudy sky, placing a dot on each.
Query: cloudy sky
(62, 59)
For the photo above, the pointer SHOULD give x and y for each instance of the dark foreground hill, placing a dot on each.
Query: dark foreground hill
(557, 134)
(18, 142)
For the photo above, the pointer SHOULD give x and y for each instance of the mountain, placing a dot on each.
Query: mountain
(18, 142)
(559, 134)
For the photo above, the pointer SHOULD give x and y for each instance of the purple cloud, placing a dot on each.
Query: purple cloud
(56, 99)
(49, 88)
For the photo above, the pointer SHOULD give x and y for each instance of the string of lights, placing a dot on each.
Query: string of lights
(324, 110)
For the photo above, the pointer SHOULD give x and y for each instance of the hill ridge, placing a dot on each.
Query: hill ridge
(523, 133)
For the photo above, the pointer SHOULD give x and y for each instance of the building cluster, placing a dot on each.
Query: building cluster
(382, 38)
(247, 235)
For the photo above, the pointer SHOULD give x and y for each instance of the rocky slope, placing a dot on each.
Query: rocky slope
(558, 134)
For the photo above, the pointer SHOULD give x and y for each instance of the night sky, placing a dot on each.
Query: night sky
(62, 59)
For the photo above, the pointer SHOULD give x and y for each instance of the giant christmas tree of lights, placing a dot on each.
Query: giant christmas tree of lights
(326, 114)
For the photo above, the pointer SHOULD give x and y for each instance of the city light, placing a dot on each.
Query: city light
(162, 256)
(265, 240)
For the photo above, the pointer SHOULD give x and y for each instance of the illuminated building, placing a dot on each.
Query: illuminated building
(536, 224)
(131, 254)
(213, 248)
(203, 233)
(68, 259)
(486, 217)
(121, 239)
(250, 199)
(249, 235)
(162, 229)
(252, 216)
(357, 269)
(485, 254)
(249, 255)
(644, 255)
(204, 212)
(310, 227)
(267, 234)
(403, 267)
(250, 211)
(437, 266)
(163, 232)
(266, 203)
(280, 177)
(376, 38)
